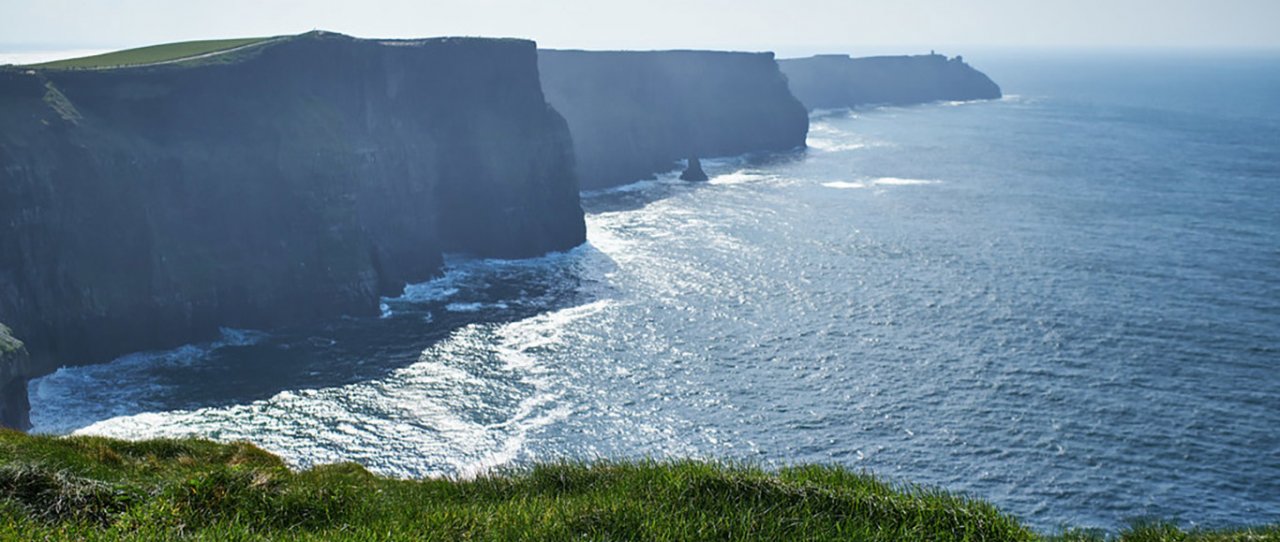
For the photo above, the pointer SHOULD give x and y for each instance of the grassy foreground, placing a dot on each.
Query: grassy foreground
(150, 55)
(85, 488)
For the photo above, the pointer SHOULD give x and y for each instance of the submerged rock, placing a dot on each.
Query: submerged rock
(693, 172)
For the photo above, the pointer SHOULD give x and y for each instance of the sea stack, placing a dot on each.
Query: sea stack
(634, 114)
(694, 171)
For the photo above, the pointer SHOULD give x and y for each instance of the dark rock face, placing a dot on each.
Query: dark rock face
(15, 366)
(835, 81)
(693, 172)
(144, 208)
(633, 114)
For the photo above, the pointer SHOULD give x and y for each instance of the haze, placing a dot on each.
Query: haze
(793, 27)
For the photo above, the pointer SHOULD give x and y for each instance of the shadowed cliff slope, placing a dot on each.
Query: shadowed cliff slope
(14, 364)
(835, 81)
(633, 114)
(146, 207)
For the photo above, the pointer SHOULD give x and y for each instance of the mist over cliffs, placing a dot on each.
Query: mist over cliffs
(835, 81)
(633, 114)
(146, 207)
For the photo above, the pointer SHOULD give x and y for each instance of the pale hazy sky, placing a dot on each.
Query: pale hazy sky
(787, 26)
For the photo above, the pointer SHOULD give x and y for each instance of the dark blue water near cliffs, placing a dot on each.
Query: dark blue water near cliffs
(1066, 302)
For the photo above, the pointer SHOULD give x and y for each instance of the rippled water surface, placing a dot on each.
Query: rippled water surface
(1066, 302)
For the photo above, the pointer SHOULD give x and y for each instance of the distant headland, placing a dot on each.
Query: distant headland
(836, 81)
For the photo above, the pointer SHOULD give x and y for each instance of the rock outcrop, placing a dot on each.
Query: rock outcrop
(837, 81)
(15, 368)
(146, 207)
(693, 171)
(634, 114)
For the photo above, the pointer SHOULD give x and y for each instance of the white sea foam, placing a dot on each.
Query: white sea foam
(738, 177)
(830, 145)
(844, 184)
(643, 185)
(882, 181)
(720, 166)
(469, 404)
(462, 273)
(64, 399)
(817, 114)
(825, 136)
(475, 306)
(604, 238)
(434, 290)
(897, 181)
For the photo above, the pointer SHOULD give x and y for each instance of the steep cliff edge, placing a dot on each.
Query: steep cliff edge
(633, 114)
(145, 207)
(15, 366)
(835, 81)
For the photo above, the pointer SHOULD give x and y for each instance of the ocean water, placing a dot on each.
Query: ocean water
(1066, 302)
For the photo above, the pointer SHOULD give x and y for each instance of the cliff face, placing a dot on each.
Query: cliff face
(144, 208)
(835, 81)
(633, 114)
(14, 364)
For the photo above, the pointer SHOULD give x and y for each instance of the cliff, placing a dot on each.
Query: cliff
(835, 81)
(633, 114)
(291, 181)
(14, 364)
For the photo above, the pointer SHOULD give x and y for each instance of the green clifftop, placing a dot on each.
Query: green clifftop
(169, 52)
(88, 488)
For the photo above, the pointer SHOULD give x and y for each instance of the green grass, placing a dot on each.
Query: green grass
(8, 343)
(85, 488)
(150, 55)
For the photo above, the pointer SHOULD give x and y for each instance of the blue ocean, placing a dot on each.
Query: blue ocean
(1066, 302)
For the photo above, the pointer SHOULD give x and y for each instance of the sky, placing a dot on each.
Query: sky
(790, 27)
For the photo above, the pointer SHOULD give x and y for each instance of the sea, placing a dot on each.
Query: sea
(1065, 302)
